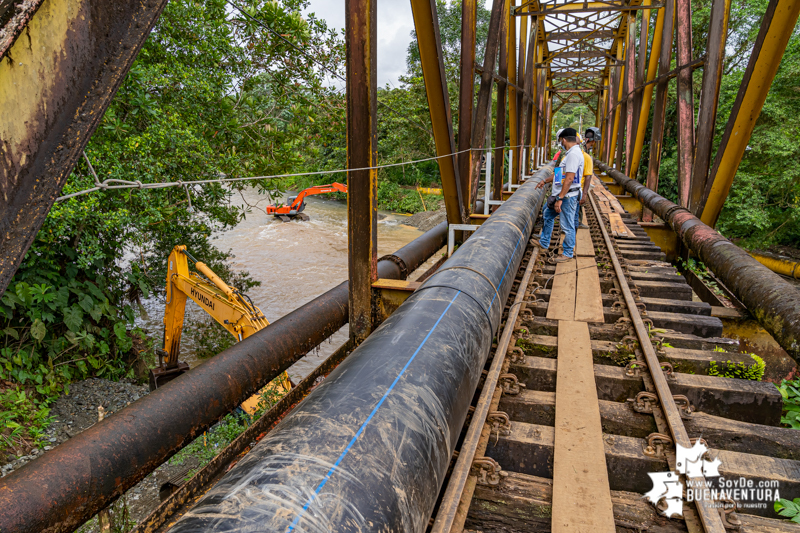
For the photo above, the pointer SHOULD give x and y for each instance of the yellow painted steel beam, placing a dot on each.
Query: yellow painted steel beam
(522, 39)
(664, 237)
(775, 33)
(426, 25)
(647, 97)
(779, 266)
(615, 128)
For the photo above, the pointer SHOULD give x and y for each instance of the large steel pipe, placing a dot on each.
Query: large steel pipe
(68, 485)
(368, 449)
(773, 301)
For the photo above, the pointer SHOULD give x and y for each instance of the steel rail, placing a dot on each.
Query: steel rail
(455, 493)
(709, 516)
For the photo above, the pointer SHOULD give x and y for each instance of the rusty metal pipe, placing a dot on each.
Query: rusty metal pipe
(773, 301)
(67, 486)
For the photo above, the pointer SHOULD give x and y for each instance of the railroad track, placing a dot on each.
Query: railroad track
(649, 353)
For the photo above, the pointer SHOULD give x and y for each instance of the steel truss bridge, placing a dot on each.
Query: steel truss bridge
(61, 62)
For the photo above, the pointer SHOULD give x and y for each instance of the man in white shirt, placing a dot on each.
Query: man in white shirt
(564, 196)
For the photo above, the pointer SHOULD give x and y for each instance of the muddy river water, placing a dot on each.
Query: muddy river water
(294, 261)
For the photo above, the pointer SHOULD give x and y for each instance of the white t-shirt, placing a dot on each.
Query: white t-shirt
(572, 162)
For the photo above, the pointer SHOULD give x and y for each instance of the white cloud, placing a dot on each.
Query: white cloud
(395, 23)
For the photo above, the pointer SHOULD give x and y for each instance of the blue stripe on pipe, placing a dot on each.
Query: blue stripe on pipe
(364, 425)
(509, 264)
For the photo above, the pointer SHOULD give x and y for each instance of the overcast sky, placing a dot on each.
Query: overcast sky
(394, 33)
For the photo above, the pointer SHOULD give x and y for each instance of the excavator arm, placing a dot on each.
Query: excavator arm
(317, 189)
(227, 305)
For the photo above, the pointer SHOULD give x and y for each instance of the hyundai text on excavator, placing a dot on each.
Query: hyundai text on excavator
(296, 204)
(227, 305)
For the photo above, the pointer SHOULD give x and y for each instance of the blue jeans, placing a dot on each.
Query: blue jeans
(568, 208)
(578, 211)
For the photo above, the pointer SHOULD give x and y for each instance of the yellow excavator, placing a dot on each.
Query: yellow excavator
(227, 305)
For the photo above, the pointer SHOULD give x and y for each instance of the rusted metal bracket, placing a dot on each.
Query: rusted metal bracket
(656, 443)
(499, 422)
(487, 470)
(684, 405)
(510, 384)
(644, 402)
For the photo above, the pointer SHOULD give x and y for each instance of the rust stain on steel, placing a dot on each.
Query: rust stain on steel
(16, 18)
(769, 298)
(685, 101)
(362, 152)
(91, 470)
(58, 78)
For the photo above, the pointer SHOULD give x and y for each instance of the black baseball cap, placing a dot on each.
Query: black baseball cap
(568, 132)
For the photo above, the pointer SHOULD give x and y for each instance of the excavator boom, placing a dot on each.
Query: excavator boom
(297, 203)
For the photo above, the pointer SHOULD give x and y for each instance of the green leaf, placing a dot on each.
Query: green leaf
(11, 332)
(38, 330)
(73, 318)
(96, 292)
(86, 303)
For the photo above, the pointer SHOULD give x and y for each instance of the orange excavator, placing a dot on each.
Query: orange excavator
(296, 204)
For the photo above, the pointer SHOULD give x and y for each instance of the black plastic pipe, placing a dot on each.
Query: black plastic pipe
(368, 449)
(773, 301)
(70, 484)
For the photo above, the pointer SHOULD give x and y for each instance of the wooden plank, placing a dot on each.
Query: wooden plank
(580, 473)
(588, 298)
(618, 227)
(583, 243)
(562, 299)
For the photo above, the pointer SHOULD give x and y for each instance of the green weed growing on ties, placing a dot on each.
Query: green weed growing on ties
(738, 370)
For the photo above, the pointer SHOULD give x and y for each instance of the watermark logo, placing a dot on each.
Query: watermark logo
(692, 463)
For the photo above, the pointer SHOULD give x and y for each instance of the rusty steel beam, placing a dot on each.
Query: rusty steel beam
(776, 29)
(709, 100)
(527, 101)
(502, 93)
(362, 153)
(484, 105)
(683, 14)
(641, 65)
(65, 487)
(647, 97)
(773, 301)
(426, 26)
(466, 95)
(67, 57)
(659, 113)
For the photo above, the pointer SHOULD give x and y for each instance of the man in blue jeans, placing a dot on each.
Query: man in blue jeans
(564, 196)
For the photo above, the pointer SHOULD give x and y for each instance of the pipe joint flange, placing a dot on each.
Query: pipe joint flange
(510, 384)
(684, 405)
(487, 470)
(500, 423)
(397, 261)
(644, 402)
(655, 444)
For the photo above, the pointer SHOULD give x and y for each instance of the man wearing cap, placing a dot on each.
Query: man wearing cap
(564, 196)
(588, 172)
